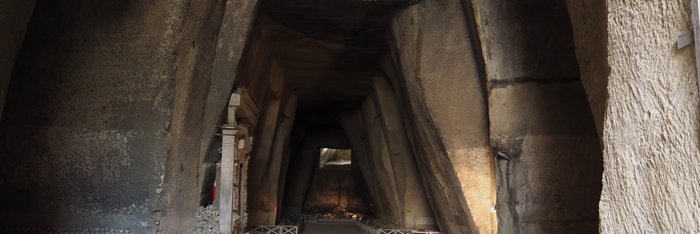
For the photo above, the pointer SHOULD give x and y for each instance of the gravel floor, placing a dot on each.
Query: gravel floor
(207, 220)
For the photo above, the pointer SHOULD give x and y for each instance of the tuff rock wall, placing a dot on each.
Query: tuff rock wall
(105, 112)
(111, 107)
(550, 163)
(435, 68)
(650, 132)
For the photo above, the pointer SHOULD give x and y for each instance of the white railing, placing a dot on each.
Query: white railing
(393, 231)
(373, 230)
(366, 228)
(399, 231)
(273, 229)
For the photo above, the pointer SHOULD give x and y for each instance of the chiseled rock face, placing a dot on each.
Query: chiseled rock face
(446, 103)
(84, 125)
(650, 134)
(525, 39)
(588, 22)
(552, 183)
(104, 114)
(539, 118)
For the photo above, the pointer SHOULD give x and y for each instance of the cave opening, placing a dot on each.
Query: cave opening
(340, 75)
(398, 85)
(463, 116)
(312, 70)
(334, 157)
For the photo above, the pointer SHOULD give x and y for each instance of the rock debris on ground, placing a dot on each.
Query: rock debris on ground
(207, 220)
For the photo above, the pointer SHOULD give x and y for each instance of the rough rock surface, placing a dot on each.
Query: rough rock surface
(235, 30)
(650, 133)
(202, 61)
(549, 178)
(85, 147)
(588, 21)
(105, 113)
(551, 184)
(447, 113)
(113, 104)
(207, 220)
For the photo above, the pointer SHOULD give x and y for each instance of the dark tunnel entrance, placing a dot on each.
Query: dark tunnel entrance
(327, 75)
(315, 71)
(112, 110)
(323, 182)
(464, 116)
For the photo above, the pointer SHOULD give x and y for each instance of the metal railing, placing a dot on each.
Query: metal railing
(393, 231)
(366, 228)
(373, 230)
(273, 229)
(399, 231)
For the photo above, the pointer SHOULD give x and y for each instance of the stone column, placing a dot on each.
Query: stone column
(228, 193)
